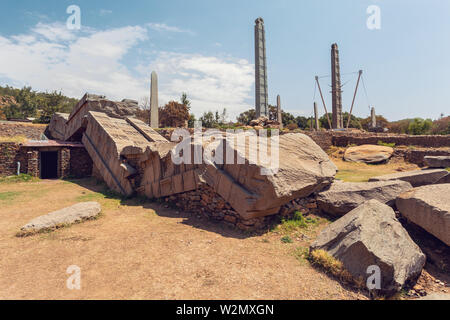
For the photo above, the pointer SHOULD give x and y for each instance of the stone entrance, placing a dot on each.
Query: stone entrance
(49, 164)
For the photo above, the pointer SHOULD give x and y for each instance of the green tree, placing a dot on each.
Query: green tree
(191, 120)
(185, 101)
(287, 118)
(208, 119)
(247, 116)
(302, 122)
(381, 122)
(420, 126)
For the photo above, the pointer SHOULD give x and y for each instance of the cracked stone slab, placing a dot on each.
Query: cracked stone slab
(74, 214)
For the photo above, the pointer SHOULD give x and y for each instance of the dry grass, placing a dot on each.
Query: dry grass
(15, 139)
(329, 264)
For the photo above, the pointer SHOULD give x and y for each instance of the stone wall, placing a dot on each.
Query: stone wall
(416, 156)
(10, 154)
(80, 163)
(322, 138)
(206, 203)
(344, 139)
(33, 163)
(73, 162)
(64, 156)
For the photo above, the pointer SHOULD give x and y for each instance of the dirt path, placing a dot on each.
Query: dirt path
(144, 251)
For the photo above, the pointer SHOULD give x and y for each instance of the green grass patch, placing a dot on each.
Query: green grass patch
(385, 144)
(286, 239)
(301, 253)
(9, 196)
(448, 169)
(355, 176)
(297, 221)
(106, 197)
(20, 178)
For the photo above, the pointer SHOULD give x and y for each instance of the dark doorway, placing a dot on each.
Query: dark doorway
(49, 164)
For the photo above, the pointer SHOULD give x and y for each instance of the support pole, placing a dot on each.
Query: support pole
(354, 96)
(323, 101)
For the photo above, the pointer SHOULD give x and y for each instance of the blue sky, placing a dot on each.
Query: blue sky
(205, 48)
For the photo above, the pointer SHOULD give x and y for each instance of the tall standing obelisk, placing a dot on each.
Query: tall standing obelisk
(279, 112)
(262, 107)
(154, 116)
(336, 93)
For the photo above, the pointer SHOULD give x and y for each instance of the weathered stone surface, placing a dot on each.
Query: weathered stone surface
(73, 214)
(114, 144)
(342, 197)
(437, 161)
(57, 126)
(261, 95)
(264, 122)
(154, 105)
(371, 235)
(368, 153)
(417, 178)
(436, 296)
(89, 102)
(429, 208)
(303, 168)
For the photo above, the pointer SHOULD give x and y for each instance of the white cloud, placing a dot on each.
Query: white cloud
(54, 31)
(211, 83)
(50, 57)
(104, 12)
(165, 27)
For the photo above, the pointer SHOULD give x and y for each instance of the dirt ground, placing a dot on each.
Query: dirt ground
(145, 251)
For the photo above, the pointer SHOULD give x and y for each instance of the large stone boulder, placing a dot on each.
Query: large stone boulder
(70, 215)
(437, 161)
(370, 235)
(417, 178)
(297, 168)
(429, 208)
(368, 153)
(57, 126)
(342, 197)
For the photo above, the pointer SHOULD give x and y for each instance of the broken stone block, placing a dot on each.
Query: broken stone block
(429, 208)
(417, 178)
(57, 126)
(370, 235)
(342, 197)
(437, 161)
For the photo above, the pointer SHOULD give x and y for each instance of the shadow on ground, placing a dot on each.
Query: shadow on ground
(165, 209)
